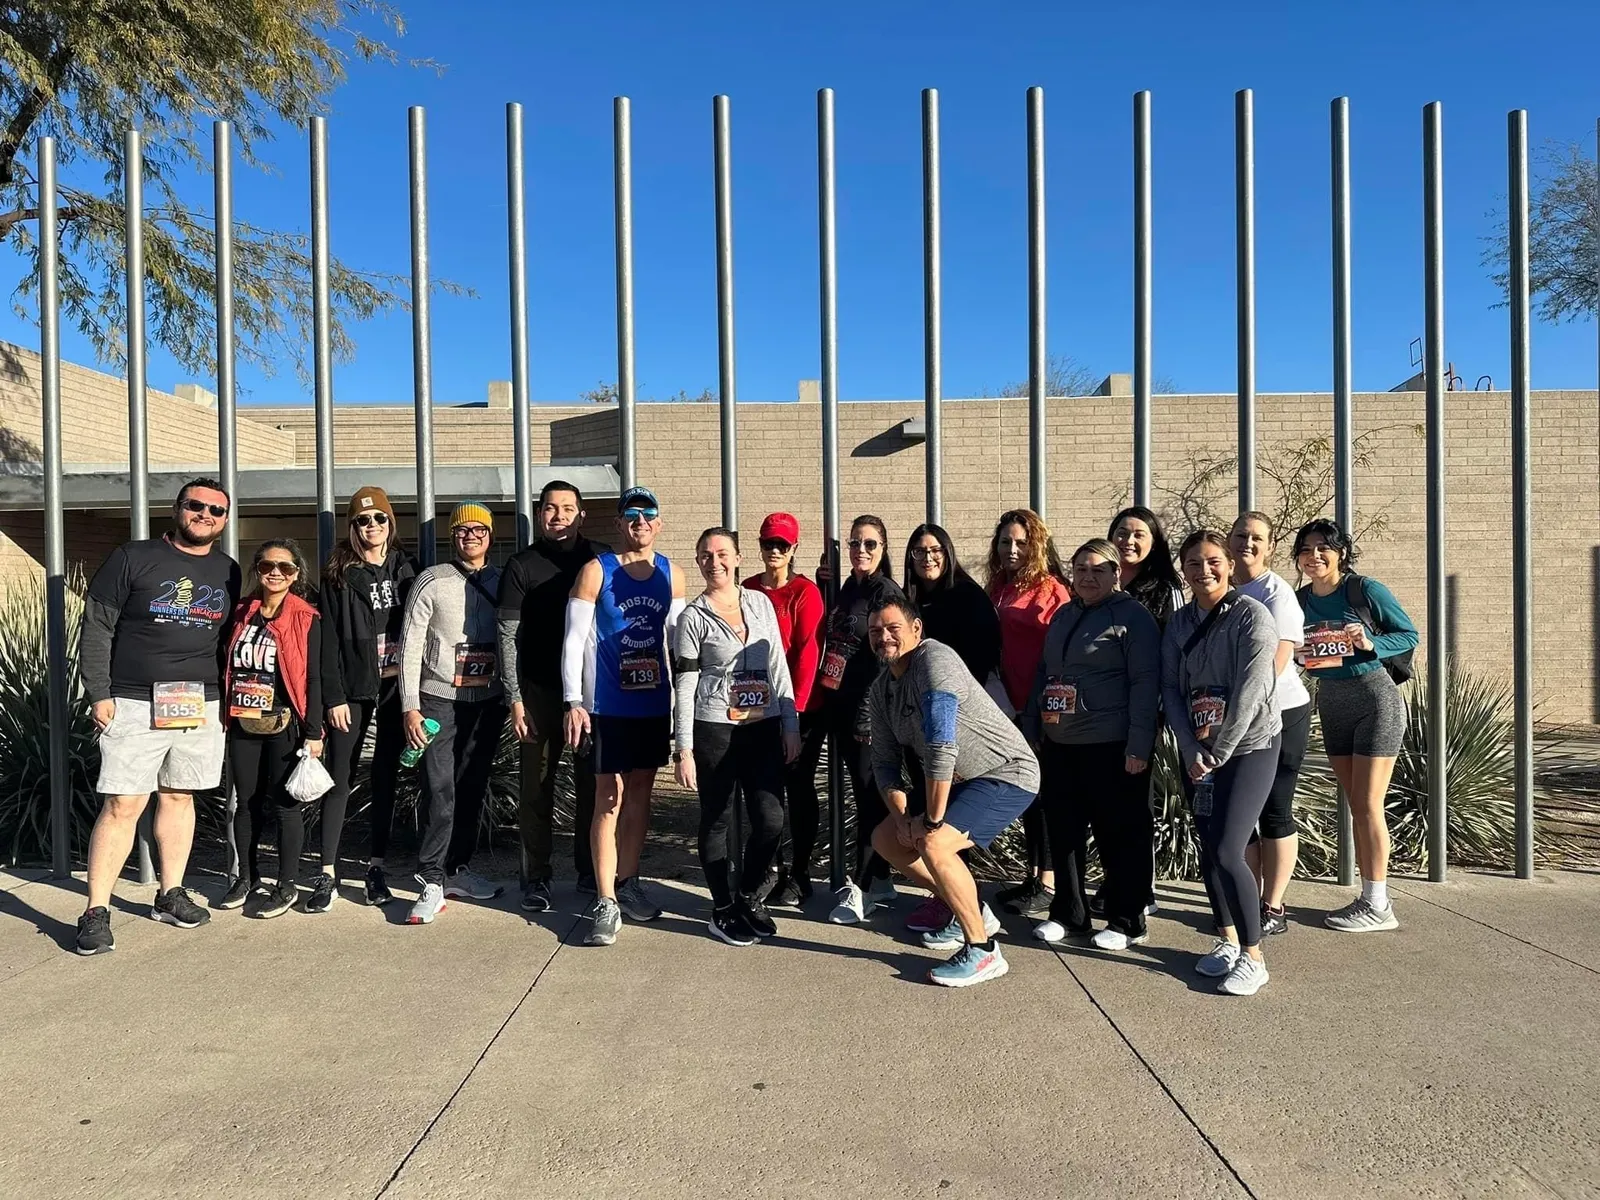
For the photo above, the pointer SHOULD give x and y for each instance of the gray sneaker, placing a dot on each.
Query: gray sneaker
(1360, 917)
(1222, 959)
(430, 903)
(1246, 978)
(606, 916)
(465, 885)
(634, 898)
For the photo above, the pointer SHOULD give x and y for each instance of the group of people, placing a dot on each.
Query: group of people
(957, 708)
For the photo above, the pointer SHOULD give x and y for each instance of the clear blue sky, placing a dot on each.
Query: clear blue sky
(566, 62)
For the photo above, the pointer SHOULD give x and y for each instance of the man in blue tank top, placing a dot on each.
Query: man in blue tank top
(620, 620)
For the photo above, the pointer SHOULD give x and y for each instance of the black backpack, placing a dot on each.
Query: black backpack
(1401, 667)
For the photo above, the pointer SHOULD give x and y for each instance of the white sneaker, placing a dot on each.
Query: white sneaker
(1220, 961)
(430, 903)
(1151, 909)
(1115, 939)
(1050, 931)
(1246, 979)
(848, 908)
(881, 894)
(465, 885)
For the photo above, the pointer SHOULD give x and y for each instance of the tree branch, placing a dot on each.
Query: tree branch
(34, 104)
(16, 216)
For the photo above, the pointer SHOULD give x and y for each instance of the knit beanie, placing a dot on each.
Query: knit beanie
(370, 499)
(466, 514)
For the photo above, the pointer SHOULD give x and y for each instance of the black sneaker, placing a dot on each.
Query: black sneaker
(378, 892)
(173, 907)
(322, 894)
(1007, 894)
(271, 902)
(1274, 920)
(785, 892)
(536, 896)
(1021, 901)
(730, 925)
(94, 932)
(235, 896)
(757, 917)
(1038, 906)
(587, 886)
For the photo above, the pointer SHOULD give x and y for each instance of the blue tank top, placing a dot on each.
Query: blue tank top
(630, 662)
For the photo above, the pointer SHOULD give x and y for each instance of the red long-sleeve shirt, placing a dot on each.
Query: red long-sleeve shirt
(800, 611)
(1024, 621)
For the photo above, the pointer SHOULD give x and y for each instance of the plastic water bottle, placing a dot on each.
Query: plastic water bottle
(411, 755)
(1204, 795)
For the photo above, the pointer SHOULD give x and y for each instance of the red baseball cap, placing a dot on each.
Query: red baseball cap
(780, 525)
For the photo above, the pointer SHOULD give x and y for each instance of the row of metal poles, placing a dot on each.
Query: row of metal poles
(1344, 507)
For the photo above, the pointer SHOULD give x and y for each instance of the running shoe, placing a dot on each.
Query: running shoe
(237, 893)
(1116, 939)
(785, 893)
(635, 899)
(1038, 907)
(757, 917)
(176, 907)
(881, 894)
(1007, 894)
(1019, 899)
(605, 916)
(464, 885)
(970, 965)
(94, 932)
(847, 909)
(430, 903)
(1274, 920)
(378, 892)
(951, 936)
(536, 896)
(265, 903)
(323, 894)
(1055, 932)
(1246, 978)
(1151, 908)
(1219, 961)
(730, 926)
(933, 913)
(1359, 916)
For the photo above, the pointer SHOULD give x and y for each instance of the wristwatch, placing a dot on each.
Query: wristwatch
(930, 826)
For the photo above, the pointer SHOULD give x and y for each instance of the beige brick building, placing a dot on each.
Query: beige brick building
(881, 471)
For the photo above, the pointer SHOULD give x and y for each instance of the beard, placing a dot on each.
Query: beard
(191, 538)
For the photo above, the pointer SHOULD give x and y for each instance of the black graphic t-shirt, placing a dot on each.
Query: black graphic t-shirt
(170, 609)
(254, 669)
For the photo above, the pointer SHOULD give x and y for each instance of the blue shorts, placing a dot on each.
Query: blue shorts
(982, 808)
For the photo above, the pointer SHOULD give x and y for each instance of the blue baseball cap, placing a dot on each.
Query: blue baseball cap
(637, 497)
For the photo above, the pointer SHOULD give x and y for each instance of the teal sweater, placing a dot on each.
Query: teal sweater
(1398, 636)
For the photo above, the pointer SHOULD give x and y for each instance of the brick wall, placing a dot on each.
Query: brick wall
(387, 433)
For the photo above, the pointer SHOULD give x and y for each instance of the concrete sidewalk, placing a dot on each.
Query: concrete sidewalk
(490, 1055)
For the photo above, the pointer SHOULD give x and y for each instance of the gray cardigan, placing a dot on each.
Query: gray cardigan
(1113, 656)
(1235, 658)
(707, 655)
(940, 713)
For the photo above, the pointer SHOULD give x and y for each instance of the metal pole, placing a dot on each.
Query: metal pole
(138, 420)
(933, 442)
(517, 240)
(622, 133)
(1521, 484)
(1343, 445)
(1438, 655)
(1244, 119)
(421, 335)
(55, 553)
(322, 339)
(227, 392)
(722, 166)
(1038, 359)
(827, 256)
(1143, 298)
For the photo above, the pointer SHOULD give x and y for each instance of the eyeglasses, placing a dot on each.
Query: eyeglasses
(379, 519)
(927, 552)
(778, 544)
(868, 544)
(631, 515)
(200, 506)
(276, 566)
(474, 532)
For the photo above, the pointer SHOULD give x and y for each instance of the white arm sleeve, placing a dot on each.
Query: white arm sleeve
(674, 612)
(580, 624)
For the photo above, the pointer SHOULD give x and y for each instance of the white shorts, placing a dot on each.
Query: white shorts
(136, 760)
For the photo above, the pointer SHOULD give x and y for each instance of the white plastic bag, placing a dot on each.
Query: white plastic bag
(308, 780)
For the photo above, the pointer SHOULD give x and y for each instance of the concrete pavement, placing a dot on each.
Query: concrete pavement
(490, 1055)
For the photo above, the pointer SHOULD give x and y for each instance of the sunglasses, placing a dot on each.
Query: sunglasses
(864, 544)
(640, 514)
(378, 519)
(200, 506)
(778, 544)
(276, 566)
(471, 531)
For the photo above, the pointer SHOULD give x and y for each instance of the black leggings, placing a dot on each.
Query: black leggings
(870, 808)
(1277, 819)
(344, 749)
(802, 806)
(730, 759)
(1088, 785)
(1239, 793)
(259, 766)
(1036, 837)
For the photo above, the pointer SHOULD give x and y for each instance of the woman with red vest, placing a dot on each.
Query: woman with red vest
(272, 697)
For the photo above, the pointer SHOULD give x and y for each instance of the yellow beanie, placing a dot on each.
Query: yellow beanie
(470, 512)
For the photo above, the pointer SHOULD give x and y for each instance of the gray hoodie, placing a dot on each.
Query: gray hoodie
(1230, 669)
(940, 713)
(708, 656)
(449, 611)
(1107, 659)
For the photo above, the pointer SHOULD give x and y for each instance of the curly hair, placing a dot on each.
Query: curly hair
(1042, 561)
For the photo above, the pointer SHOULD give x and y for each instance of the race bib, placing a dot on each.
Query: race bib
(834, 662)
(388, 656)
(251, 694)
(1060, 698)
(177, 705)
(1326, 645)
(1207, 708)
(748, 695)
(640, 671)
(476, 664)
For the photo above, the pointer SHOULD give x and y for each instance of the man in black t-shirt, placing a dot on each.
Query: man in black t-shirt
(533, 612)
(150, 655)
